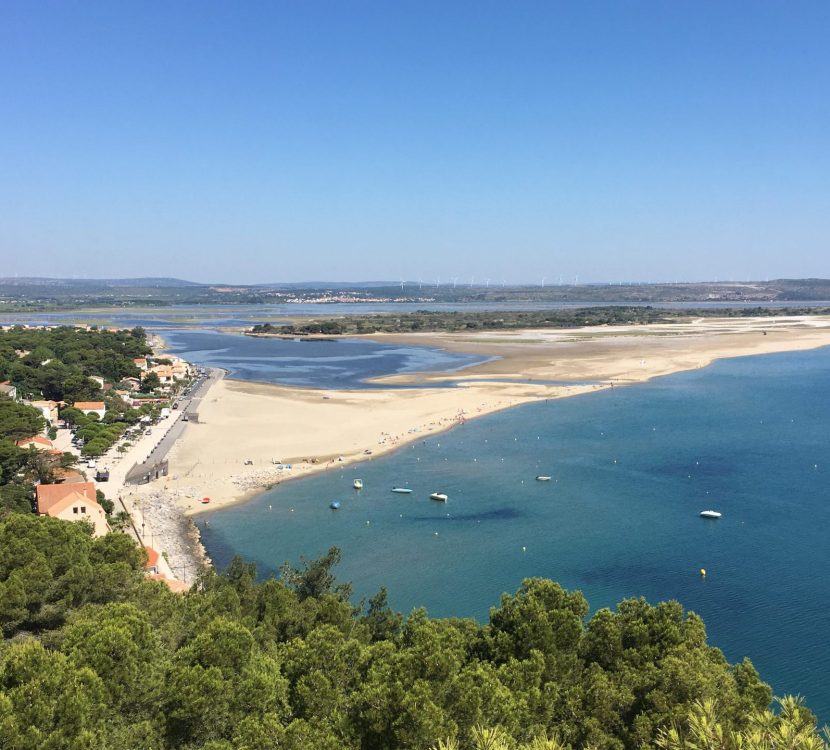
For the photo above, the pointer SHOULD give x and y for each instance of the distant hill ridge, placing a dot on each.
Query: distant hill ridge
(164, 281)
(143, 281)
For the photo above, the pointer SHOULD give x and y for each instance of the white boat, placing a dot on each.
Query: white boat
(441, 497)
(543, 478)
(358, 484)
(710, 514)
(402, 490)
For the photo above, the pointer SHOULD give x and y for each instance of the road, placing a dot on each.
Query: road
(172, 428)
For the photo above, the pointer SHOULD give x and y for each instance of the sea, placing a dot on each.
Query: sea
(632, 468)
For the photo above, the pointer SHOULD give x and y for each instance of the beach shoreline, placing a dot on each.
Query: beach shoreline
(248, 433)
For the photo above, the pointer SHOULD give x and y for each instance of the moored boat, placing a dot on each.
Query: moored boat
(710, 514)
(441, 497)
(335, 505)
(358, 484)
(402, 490)
(543, 478)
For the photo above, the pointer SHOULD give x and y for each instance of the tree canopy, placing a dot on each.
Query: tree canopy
(96, 656)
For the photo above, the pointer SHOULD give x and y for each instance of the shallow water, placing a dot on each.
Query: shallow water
(632, 469)
(341, 363)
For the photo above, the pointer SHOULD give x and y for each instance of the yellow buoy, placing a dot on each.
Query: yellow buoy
(703, 572)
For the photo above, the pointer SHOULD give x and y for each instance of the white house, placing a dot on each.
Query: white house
(92, 407)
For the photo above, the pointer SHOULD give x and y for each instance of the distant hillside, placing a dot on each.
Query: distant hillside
(86, 283)
(31, 294)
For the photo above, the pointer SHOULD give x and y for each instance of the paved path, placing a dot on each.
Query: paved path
(170, 431)
(153, 448)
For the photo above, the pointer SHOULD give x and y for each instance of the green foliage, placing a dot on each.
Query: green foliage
(18, 421)
(101, 657)
(426, 320)
(150, 382)
(73, 355)
(48, 567)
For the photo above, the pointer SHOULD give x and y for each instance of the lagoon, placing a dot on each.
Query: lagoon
(341, 363)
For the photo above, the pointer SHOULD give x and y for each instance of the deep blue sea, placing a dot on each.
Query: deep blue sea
(632, 469)
(341, 363)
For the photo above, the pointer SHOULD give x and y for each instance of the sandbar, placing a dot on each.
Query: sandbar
(248, 433)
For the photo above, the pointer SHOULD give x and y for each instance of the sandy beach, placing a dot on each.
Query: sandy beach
(249, 433)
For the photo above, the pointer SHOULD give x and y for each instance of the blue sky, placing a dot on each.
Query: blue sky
(267, 141)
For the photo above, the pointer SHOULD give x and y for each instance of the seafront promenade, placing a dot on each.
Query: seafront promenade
(158, 525)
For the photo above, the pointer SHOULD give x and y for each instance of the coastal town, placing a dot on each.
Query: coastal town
(89, 459)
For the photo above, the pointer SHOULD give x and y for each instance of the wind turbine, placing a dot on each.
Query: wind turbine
(401, 284)
(472, 281)
(454, 281)
(488, 283)
(543, 282)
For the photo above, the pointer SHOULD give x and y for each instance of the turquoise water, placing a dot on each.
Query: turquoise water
(632, 469)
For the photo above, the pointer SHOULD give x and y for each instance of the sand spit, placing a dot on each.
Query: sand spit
(249, 433)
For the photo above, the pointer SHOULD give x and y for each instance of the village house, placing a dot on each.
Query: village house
(49, 409)
(180, 368)
(72, 501)
(91, 407)
(140, 363)
(134, 384)
(164, 373)
(37, 441)
(77, 507)
(49, 494)
(98, 379)
(8, 390)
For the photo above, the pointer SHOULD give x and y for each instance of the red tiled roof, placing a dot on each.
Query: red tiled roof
(68, 476)
(177, 587)
(72, 498)
(88, 405)
(35, 439)
(49, 495)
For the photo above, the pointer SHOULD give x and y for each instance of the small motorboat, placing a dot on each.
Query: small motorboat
(441, 497)
(710, 514)
(335, 505)
(402, 490)
(205, 500)
(543, 478)
(358, 484)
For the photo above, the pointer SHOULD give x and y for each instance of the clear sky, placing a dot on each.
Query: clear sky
(282, 141)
